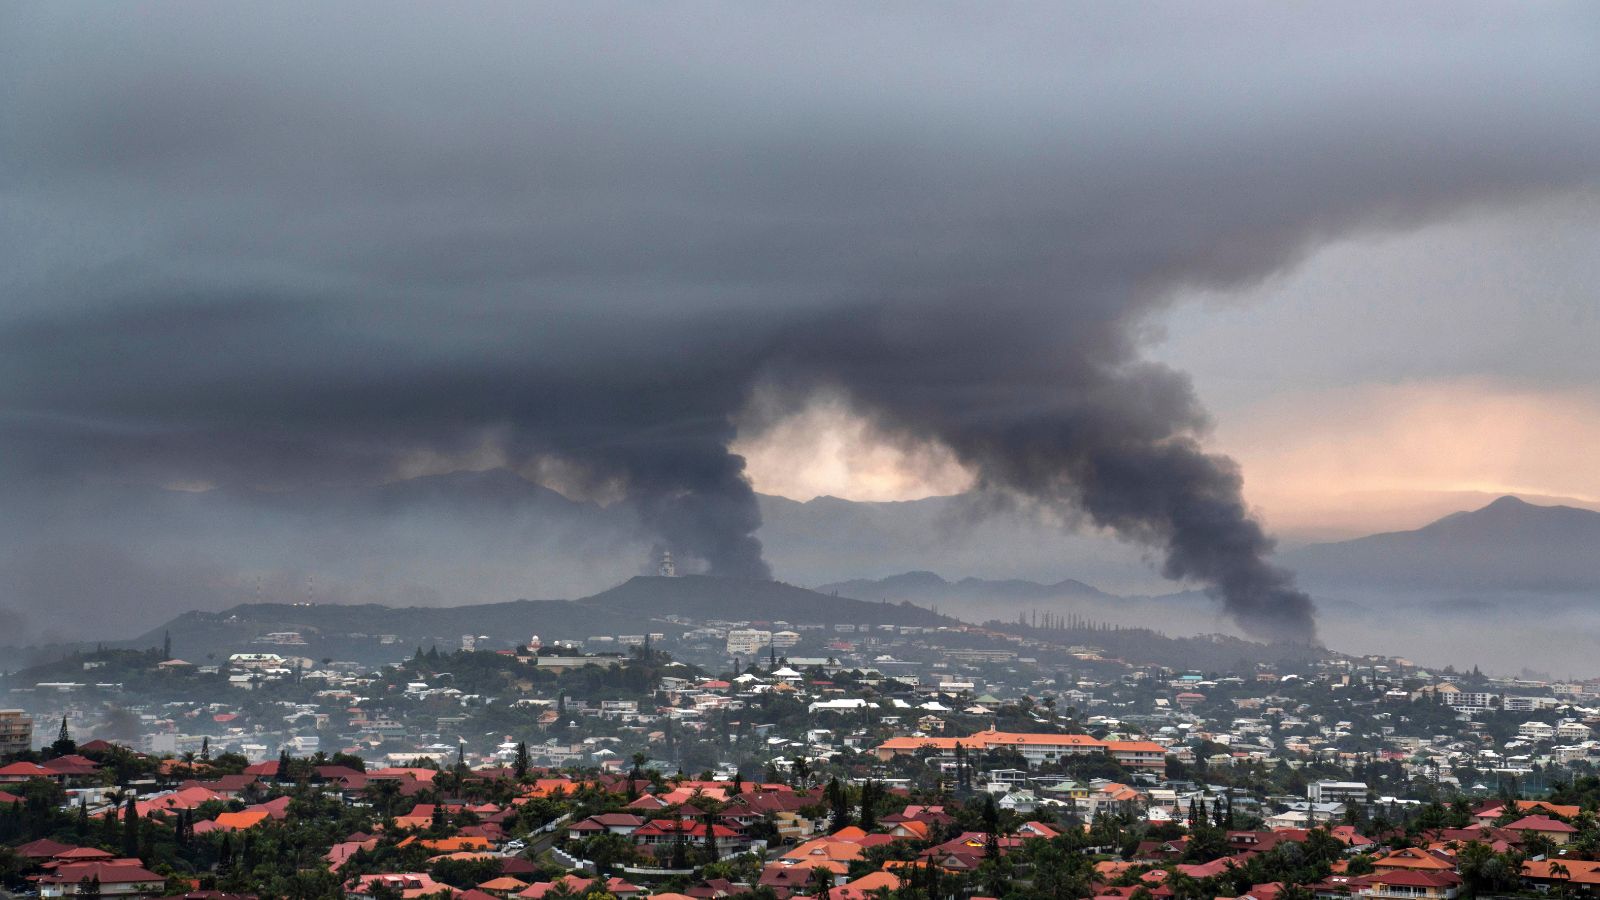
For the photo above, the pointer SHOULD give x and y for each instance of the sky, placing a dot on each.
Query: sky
(1182, 273)
(1385, 380)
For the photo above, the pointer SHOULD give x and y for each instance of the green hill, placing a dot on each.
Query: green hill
(374, 632)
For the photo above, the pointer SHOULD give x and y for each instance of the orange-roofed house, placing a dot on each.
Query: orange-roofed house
(397, 772)
(1139, 756)
(687, 794)
(420, 817)
(1037, 749)
(457, 844)
(1490, 812)
(233, 821)
(823, 849)
(1112, 869)
(187, 798)
(503, 886)
(1412, 859)
(865, 887)
(910, 828)
(820, 853)
(851, 833)
(1543, 873)
(574, 885)
(545, 787)
(410, 885)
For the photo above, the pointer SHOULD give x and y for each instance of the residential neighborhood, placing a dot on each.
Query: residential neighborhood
(951, 761)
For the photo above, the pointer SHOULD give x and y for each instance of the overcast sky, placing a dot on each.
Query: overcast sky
(1061, 251)
(1387, 379)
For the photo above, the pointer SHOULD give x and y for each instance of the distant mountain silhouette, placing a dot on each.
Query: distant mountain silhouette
(702, 597)
(136, 554)
(1010, 600)
(1509, 544)
(926, 587)
(635, 606)
(140, 554)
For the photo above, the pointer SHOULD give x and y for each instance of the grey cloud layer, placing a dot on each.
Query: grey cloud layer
(299, 244)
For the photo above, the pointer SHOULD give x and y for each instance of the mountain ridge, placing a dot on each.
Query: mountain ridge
(332, 628)
(1509, 544)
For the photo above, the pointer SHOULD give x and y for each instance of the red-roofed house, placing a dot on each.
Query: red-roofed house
(1403, 884)
(1558, 832)
(19, 772)
(669, 831)
(605, 823)
(44, 848)
(117, 878)
(410, 885)
(72, 766)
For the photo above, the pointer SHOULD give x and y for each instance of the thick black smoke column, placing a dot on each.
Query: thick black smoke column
(1057, 410)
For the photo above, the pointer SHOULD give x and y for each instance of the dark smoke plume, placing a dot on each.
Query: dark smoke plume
(251, 254)
(1039, 408)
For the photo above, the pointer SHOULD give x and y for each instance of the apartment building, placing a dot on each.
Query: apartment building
(1345, 792)
(16, 731)
(747, 641)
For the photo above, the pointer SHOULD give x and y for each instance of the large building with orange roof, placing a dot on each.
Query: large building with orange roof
(1037, 749)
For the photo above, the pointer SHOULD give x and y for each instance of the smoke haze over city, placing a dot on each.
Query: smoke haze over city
(260, 253)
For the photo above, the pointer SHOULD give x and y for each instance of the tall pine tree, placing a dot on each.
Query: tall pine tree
(130, 828)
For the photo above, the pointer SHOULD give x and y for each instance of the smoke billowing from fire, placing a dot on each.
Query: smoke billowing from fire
(252, 254)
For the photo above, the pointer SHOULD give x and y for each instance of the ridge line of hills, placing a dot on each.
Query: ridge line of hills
(352, 631)
(1509, 550)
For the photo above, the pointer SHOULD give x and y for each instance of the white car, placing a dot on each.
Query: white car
(517, 846)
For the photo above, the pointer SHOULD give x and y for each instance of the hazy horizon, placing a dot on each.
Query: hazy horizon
(1163, 298)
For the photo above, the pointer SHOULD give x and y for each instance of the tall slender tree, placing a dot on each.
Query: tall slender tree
(64, 744)
(711, 838)
(130, 827)
(869, 802)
